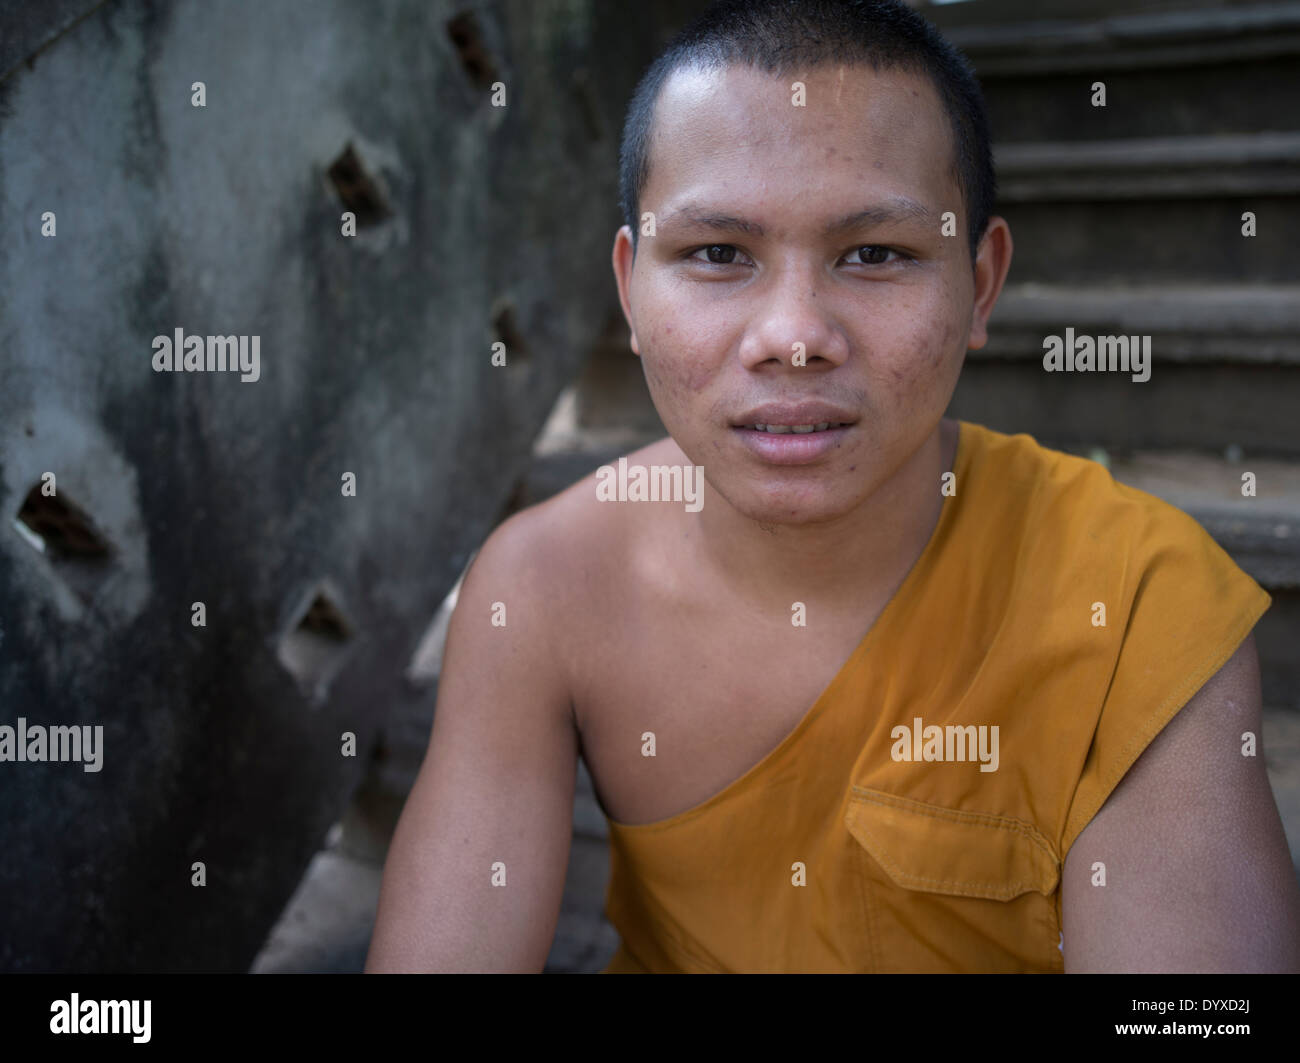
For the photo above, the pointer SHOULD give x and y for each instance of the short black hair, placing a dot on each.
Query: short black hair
(784, 37)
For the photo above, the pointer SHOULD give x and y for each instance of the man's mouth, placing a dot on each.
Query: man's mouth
(793, 444)
(801, 429)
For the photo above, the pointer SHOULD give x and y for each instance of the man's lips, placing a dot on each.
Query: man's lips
(807, 414)
(791, 448)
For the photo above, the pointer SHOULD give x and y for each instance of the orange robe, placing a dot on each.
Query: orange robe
(933, 865)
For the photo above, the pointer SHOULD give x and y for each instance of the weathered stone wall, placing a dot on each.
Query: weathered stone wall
(222, 742)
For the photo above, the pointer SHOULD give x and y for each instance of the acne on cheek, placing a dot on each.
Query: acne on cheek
(947, 327)
(933, 351)
(681, 360)
(697, 377)
(689, 374)
(674, 384)
(681, 372)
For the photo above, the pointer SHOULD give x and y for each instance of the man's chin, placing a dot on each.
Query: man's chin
(789, 507)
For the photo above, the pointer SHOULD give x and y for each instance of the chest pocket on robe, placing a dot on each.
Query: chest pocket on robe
(949, 890)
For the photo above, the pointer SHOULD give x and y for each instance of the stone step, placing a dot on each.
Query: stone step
(1019, 37)
(1202, 324)
(999, 13)
(1189, 70)
(1195, 100)
(1187, 406)
(1224, 369)
(1154, 242)
(1153, 210)
(1202, 167)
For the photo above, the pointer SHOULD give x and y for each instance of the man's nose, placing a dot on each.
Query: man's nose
(794, 325)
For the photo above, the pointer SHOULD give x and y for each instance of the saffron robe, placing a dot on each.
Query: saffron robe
(937, 866)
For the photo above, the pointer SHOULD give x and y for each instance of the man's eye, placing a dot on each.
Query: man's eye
(874, 254)
(716, 255)
(725, 255)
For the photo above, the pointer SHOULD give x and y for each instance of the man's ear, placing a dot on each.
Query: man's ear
(623, 259)
(992, 261)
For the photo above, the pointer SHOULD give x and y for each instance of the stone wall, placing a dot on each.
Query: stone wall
(229, 572)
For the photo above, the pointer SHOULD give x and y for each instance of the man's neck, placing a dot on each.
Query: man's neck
(862, 556)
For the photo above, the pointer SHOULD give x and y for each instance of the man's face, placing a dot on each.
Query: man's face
(882, 307)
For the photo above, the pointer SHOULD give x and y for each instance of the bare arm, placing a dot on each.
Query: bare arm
(495, 788)
(1198, 876)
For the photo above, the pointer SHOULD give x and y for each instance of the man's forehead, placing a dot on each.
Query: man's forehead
(877, 143)
(845, 95)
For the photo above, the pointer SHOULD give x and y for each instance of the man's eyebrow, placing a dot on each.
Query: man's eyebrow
(705, 218)
(900, 208)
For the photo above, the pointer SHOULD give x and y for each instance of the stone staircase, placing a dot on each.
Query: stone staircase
(1128, 220)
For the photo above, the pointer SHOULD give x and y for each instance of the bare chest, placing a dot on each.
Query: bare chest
(672, 713)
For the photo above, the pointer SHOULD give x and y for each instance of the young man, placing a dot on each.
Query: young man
(903, 694)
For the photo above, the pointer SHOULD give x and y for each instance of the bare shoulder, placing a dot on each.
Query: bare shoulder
(563, 558)
(572, 532)
(1186, 867)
